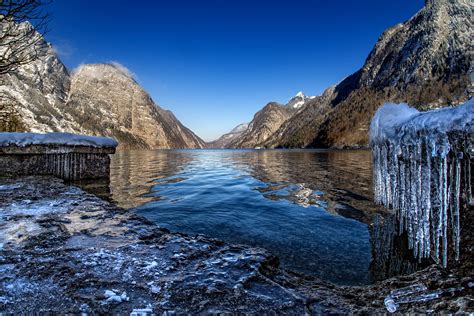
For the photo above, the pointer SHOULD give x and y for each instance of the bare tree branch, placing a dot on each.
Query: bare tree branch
(23, 24)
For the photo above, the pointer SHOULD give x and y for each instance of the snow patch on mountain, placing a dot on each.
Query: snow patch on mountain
(239, 128)
(224, 140)
(298, 100)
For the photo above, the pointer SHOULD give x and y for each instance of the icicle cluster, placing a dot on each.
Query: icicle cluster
(420, 160)
(75, 166)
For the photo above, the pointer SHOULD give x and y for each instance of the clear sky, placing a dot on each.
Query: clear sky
(215, 63)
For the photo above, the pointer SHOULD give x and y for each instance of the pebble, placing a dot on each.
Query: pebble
(113, 297)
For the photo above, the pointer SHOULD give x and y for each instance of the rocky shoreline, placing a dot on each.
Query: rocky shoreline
(63, 250)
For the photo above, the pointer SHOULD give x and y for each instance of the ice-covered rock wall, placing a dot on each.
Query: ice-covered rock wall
(422, 170)
(64, 155)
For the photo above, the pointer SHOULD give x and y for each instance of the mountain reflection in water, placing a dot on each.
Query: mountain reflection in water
(311, 208)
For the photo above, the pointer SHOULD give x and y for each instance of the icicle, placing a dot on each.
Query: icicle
(426, 202)
(422, 171)
(402, 195)
(456, 202)
(444, 212)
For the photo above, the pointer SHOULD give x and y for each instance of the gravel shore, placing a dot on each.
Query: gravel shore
(63, 250)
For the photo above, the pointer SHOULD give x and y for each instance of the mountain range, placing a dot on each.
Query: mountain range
(425, 62)
(227, 138)
(95, 99)
(267, 121)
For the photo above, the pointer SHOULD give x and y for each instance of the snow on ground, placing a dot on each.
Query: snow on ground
(66, 139)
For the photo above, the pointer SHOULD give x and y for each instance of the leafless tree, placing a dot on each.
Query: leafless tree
(22, 26)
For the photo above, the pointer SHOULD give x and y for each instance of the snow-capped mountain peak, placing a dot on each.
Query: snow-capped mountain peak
(300, 94)
(298, 100)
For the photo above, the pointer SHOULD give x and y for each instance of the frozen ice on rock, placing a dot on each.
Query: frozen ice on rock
(66, 139)
(147, 311)
(113, 296)
(417, 172)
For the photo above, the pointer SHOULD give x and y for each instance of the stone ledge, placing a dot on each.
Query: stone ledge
(54, 149)
(64, 155)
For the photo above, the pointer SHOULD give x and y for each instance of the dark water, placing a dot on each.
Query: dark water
(311, 208)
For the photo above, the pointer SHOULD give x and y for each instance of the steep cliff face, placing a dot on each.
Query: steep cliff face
(99, 100)
(431, 47)
(226, 139)
(37, 92)
(106, 100)
(424, 61)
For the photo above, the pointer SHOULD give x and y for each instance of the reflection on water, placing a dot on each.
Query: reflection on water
(133, 174)
(311, 208)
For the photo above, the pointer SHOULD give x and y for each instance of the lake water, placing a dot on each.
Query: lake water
(311, 208)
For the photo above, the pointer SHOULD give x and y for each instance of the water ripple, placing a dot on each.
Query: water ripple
(311, 208)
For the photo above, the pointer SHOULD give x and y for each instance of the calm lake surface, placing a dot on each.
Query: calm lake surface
(311, 208)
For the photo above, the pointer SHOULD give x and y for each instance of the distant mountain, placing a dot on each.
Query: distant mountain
(267, 121)
(425, 61)
(224, 140)
(298, 100)
(98, 99)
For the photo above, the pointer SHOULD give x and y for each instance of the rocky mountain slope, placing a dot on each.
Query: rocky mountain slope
(264, 123)
(106, 100)
(224, 140)
(98, 99)
(37, 92)
(267, 121)
(425, 61)
(298, 100)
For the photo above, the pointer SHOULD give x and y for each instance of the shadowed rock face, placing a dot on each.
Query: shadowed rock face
(424, 61)
(99, 99)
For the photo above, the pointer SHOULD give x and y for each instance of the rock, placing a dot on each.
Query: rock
(127, 273)
(126, 110)
(263, 125)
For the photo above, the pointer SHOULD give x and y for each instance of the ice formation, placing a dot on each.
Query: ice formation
(66, 139)
(421, 167)
(415, 293)
(67, 156)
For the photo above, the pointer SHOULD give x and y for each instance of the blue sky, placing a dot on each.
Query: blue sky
(215, 63)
